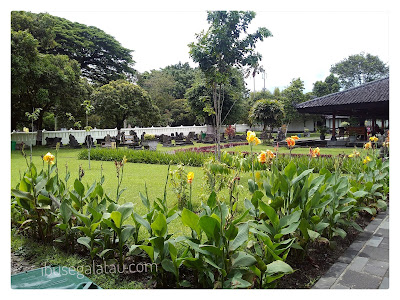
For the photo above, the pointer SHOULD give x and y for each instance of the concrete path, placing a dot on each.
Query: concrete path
(365, 264)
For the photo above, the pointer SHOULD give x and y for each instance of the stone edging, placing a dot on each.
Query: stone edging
(365, 264)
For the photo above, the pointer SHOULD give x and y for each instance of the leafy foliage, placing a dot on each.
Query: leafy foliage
(268, 112)
(120, 99)
(358, 69)
(101, 58)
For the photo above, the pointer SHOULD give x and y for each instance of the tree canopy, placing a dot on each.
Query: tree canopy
(200, 99)
(358, 69)
(329, 86)
(121, 99)
(293, 95)
(101, 57)
(41, 80)
(224, 46)
(269, 112)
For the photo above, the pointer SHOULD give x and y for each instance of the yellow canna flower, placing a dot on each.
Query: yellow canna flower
(295, 137)
(262, 158)
(25, 129)
(373, 139)
(368, 146)
(257, 141)
(190, 177)
(354, 154)
(366, 160)
(251, 135)
(49, 158)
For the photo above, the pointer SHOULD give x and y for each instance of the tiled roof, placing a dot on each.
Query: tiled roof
(371, 92)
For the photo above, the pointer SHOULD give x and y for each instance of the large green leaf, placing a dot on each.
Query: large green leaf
(290, 170)
(242, 259)
(159, 225)
(126, 210)
(22, 195)
(126, 233)
(84, 241)
(241, 237)
(212, 249)
(301, 176)
(168, 266)
(292, 218)
(279, 266)
(145, 201)
(191, 220)
(212, 200)
(210, 226)
(117, 218)
(142, 221)
(360, 194)
(271, 213)
(79, 187)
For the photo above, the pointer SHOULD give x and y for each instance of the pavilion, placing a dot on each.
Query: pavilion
(369, 101)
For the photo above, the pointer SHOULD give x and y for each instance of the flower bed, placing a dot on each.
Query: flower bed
(289, 210)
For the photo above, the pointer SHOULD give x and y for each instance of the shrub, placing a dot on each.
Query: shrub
(148, 157)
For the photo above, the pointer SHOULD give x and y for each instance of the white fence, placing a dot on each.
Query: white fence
(30, 138)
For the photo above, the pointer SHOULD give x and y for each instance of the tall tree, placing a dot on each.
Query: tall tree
(293, 95)
(269, 112)
(200, 99)
(328, 86)
(40, 80)
(183, 76)
(358, 69)
(223, 46)
(101, 57)
(121, 99)
(160, 87)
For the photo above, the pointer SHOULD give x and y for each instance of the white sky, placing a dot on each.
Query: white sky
(307, 37)
(304, 44)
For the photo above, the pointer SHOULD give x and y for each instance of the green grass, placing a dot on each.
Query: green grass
(40, 255)
(135, 177)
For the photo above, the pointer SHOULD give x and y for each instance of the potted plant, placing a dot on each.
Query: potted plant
(306, 132)
(322, 130)
(150, 142)
(352, 136)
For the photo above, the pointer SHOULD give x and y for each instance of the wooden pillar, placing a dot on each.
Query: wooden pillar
(373, 131)
(333, 128)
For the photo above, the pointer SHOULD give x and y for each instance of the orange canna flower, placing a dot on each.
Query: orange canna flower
(270, 154)
(262, 158)
(190, 177)
(368, 146)
(295, 137)
(49, 158)
(290, 142)
(315, 153)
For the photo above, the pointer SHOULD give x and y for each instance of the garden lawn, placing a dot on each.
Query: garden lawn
(261, 147)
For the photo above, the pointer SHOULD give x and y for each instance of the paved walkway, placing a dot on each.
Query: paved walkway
(365, 264)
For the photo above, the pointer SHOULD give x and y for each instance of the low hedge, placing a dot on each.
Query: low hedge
(145, 156)
(196, 159)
